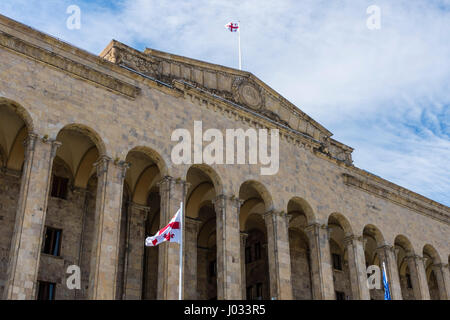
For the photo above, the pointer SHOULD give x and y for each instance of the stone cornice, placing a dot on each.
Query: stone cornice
(76, 69)
(400, 196)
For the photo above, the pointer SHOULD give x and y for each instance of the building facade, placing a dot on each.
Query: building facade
(86, 174)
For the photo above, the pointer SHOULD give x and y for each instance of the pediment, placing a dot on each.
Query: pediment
(236, 86)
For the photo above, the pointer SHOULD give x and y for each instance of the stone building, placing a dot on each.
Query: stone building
(86, 174)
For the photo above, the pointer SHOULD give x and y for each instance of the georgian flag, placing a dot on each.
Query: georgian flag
(170, 233)
(233, 27)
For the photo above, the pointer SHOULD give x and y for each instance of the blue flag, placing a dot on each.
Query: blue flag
(387, 293)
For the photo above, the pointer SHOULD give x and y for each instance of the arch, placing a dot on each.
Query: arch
(404, 243)
(254, 189)
(300, 205)
(375, 233)
(154, 157)
(201, 195)
(20, 111)
(429, 250)
(212, 174)
(90, 133)
(146, 181)
(340, 220)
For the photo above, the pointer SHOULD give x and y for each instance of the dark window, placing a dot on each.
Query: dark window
(408, 281)
(250, 293)
(340, 295)
(337, 264)
(59, 187)
(46, 290)
(257, 251)
(212, 269)
(52, 241)
(259, 291)
(248, 254)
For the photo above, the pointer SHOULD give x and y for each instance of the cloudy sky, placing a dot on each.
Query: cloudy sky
(384, 92)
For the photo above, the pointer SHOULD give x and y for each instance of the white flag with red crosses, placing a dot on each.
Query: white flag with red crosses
(233, 27)
(170, 233)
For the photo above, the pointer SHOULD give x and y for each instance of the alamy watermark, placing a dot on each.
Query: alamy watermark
(74, 20)
(228, 150)
(374, 20)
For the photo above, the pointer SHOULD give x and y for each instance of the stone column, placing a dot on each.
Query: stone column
(229, 280)
(191, 228)
(25, 252)
(244, 237)
(173, 192)
(357, 268)
(105, 244)
(418, 277)
(133, 271)
(279, 255)
(443, 279)
(387, 254)
(321, 271)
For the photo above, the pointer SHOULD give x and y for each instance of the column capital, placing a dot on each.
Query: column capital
(244, 236)
(144, 210)
(219, 201)
(414, 257)
(194, 222)
(316, 227)
(353, 238)
(167, 182)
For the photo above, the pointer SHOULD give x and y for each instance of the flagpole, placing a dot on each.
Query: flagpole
(180, 285)
(239, 36)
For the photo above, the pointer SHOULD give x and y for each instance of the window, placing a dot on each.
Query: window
(408, 281)
(212, 269)
(259, 291)
(250, 293)
(52, 241)
(248, 255)
(59, 187)
(257, 251)
(46, 290)
(340, 295)
(337, 265)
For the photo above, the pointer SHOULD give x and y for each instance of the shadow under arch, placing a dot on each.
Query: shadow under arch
(89, 132)
(212, 174)
(301, 206)
(339, 219)
(255, 189)
(20, 111)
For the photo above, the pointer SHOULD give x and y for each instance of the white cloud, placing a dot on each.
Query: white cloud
(384, 92)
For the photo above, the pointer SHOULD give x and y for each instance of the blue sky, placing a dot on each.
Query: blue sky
(384, 92)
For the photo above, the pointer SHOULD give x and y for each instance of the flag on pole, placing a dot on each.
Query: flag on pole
(233, 27)
(387, 293)
(170, 233)
(236, 27)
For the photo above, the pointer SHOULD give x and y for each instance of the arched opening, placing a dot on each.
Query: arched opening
(69, 222)
(301, 215)
(200, 280)
(138, 265)
(373, 239)
(255, 265)
(404, 249)
(15, 125)
(431, 258)
(340, 229)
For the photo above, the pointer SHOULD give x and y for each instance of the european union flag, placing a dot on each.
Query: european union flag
(387, 293)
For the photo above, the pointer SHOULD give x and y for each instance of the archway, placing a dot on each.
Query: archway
(301, 215)
(340, 229)
(15, 125)
(256, 202)
(200, 234)
(69, 222)
(373, 239)
(431, 258)
(404, 249)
